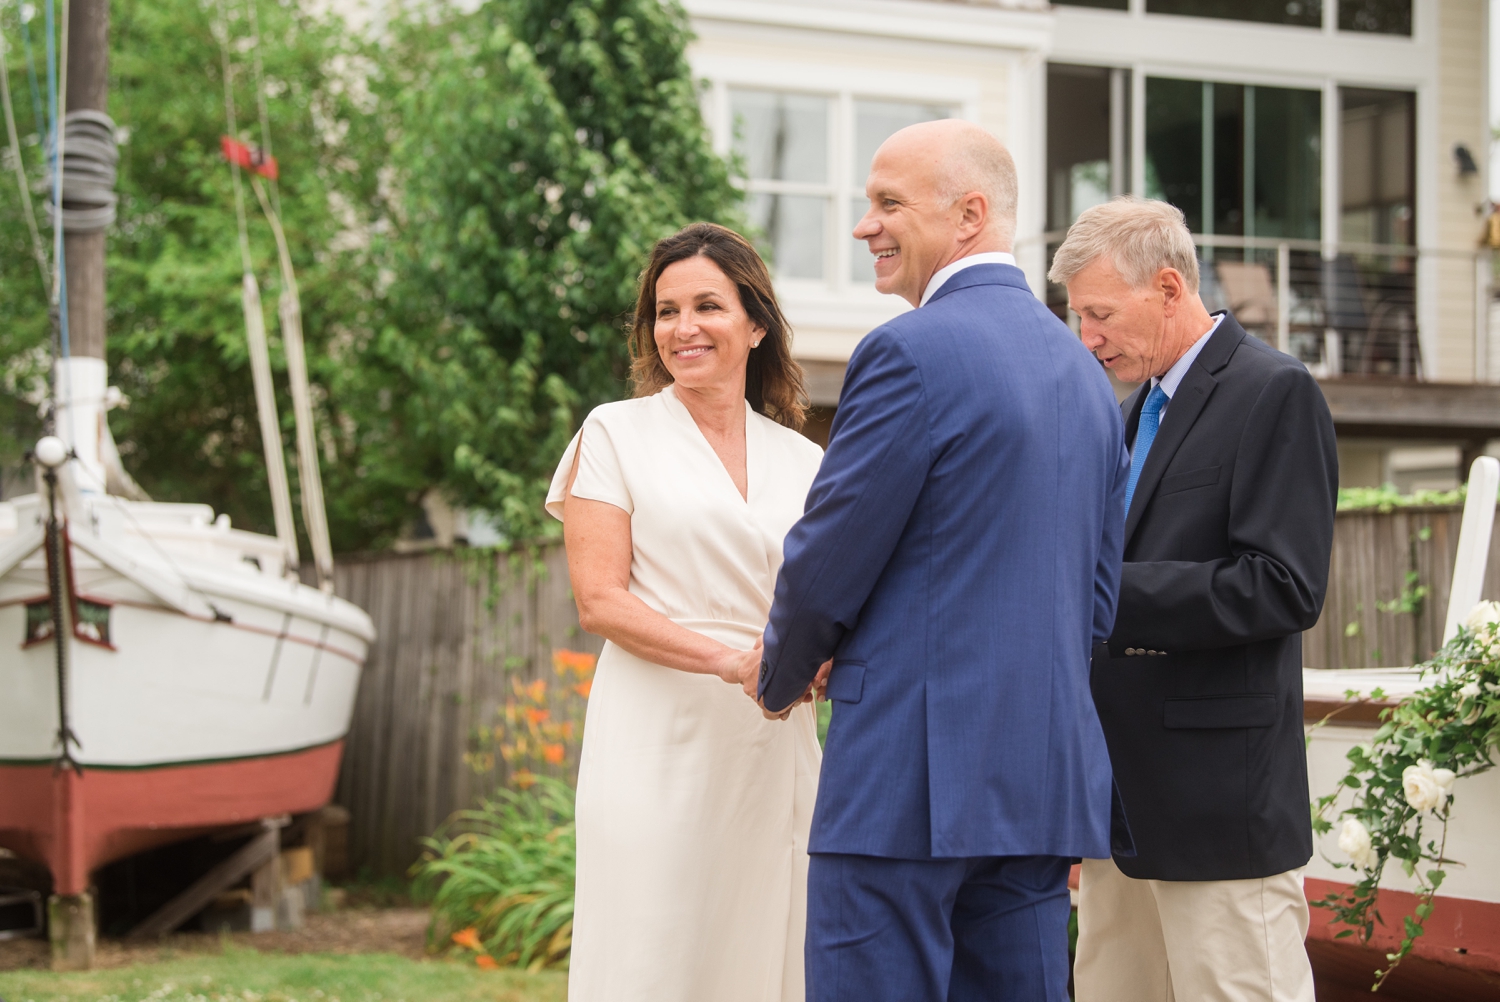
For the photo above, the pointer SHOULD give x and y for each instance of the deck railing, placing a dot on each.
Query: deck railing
(1354, 309)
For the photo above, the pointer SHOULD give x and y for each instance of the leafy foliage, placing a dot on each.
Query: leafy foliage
(1402, 781)
(1387, 499)
(546, 146)
(501, 877)
(469, 200)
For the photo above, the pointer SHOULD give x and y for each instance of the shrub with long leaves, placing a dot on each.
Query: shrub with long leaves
(500, 878)
(1403, 781)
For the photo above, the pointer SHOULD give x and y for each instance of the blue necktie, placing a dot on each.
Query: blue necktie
(1145, 434)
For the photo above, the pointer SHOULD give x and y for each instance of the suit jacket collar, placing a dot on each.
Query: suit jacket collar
(983, 274)
(1187, 403)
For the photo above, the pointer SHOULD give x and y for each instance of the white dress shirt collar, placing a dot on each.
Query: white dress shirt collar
(947, 272)
(1173, 377)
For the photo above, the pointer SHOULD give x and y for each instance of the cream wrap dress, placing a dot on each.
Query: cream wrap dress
(693, 809)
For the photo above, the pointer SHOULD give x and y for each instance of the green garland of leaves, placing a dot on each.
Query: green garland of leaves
(1403, 781)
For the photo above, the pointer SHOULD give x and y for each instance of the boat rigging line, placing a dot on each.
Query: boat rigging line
(255, 338)
(314, 516)
(37, 249)
(124, 508)
(50, 453)
(289, 305)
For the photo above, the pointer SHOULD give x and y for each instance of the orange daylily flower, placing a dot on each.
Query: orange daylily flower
(553, 753)
(584, 688)
(468, 938)
(537, 690)
(486, 963)
(578, 662)
(536, 716)
(525, 779)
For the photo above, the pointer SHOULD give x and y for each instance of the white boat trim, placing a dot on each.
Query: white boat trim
(24, 545)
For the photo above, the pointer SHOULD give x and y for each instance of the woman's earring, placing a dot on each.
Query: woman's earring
(755, 344)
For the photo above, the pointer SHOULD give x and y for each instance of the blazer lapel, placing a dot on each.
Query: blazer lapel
(1183, 410)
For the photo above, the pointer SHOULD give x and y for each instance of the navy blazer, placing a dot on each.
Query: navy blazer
(959, 554)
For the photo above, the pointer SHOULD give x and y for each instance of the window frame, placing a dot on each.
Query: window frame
(843, 87)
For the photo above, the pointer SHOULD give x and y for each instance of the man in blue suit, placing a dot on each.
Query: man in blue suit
(958, 558)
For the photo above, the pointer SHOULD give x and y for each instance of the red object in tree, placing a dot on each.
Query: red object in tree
(251, 158)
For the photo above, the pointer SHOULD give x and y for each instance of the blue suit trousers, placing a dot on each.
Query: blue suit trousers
(985, 929)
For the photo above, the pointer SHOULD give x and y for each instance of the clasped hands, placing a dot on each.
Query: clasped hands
(743, 668)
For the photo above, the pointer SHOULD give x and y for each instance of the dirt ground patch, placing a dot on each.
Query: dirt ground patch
(400, 931)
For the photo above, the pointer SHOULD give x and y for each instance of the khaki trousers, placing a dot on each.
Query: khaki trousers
(1190, 941)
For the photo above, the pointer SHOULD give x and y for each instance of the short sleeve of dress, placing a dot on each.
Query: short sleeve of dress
(600, 477)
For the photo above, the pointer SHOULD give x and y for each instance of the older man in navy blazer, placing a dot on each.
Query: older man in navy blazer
(1228, 529)
(959, 555)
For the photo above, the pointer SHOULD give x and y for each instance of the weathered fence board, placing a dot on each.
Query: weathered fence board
(1388, 588)
(456, 632)
(453, 634)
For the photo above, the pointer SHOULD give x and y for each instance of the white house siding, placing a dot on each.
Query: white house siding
(991, 58)
(1462, 91)
(983, 60)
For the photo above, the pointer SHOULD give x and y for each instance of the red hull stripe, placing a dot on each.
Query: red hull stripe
(1461, 932)
(75, 824)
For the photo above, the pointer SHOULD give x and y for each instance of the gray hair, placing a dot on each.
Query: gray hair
(981, 163)
(1141, 235)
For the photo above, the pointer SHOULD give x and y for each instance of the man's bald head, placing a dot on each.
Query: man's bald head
(938, 191)
(960, 157)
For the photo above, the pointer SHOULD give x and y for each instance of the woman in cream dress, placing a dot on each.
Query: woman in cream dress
(693, 808)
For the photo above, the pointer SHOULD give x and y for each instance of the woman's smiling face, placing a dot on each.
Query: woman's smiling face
(702, 331)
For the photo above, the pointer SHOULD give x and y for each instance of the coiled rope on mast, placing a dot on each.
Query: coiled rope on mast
(89, 160)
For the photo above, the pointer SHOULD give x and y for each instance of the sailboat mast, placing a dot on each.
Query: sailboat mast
(83, 246)
(87, 209)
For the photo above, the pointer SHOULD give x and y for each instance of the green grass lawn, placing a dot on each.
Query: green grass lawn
(248, 976)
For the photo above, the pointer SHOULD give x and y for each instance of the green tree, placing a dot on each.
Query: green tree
(543, 149)
(468, 202)
(176, 341)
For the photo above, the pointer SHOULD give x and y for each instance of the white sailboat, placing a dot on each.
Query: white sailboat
(163, 673)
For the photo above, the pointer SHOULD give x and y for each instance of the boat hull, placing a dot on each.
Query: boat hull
(1458, 956)
(203, 688)
(76, 822)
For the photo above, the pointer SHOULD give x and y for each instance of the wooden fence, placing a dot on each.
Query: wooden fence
(459, 633)
(1388, 588)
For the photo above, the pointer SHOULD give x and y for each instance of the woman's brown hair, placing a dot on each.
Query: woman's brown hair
(773, 379)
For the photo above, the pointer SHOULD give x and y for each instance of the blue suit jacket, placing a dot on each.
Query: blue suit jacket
(959, 555)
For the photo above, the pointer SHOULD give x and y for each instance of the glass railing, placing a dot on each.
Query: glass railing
(1353, 310)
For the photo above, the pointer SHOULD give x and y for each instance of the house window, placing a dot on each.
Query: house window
(1087, 125)
(803, 195)
(1377, 161)
(782, 141)
(1307, 13)
(1237, 160)
(1381, 17)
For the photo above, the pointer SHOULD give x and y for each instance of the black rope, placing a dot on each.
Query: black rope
(65, 735)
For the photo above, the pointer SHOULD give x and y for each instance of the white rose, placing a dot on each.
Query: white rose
(1426, 788)
(1469, 689)
(1354, 840)
(1482, 615)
